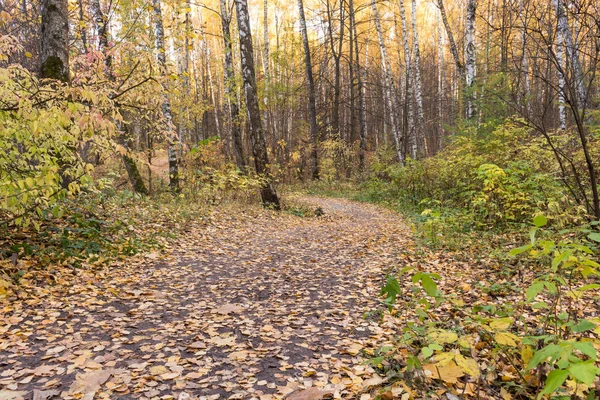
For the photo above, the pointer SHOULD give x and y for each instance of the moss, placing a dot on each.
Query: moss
(54, 68)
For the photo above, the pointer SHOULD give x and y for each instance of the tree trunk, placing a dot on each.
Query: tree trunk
(82, 26)
(257, 136)
(452, 43)
(312, 106)
(230, 92)
(560, 60)
(440, 61)
(362, 112)
(564, 30)
(389, 90)
(410, 134)
(55, 40)
(471, 59)
(171, 133)
(101, 25)
(420, 126)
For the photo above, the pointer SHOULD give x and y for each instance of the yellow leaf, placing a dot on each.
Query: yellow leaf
(507, 339)
(467, 365)
(354, 349)
(501, 324)
(444, 358)
(28, 54)
(448, 373)
(159, 370)
(526, 354)
(441, 336)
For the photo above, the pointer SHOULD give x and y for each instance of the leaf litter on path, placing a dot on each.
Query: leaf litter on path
(254, 305)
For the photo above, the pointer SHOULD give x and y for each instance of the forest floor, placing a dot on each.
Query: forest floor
(249, 305)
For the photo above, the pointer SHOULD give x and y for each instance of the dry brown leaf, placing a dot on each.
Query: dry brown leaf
(312, 393)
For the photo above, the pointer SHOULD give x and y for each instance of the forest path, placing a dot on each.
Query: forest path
(254, 305)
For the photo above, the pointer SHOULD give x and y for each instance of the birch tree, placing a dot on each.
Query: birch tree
(257, 135)
(171, 133)
(560, 60)
(410, 134)
(312, 105)
(419, 129)
(230, 91)
(471, 59)
(389, 89)
(362, 109)
(564, 32)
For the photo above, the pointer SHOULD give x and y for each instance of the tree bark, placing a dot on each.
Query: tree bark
(452, 43)
(470, 68)
(230, 92)
(171, 133)
(564, 30)
(420, 126)
(389, 90)
(362, 110)
(312, 105)
(55, 40)
(560, 60)
(257, 136)
(101, 25)
(410, 134)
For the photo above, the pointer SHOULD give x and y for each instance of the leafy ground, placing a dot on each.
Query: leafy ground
(254, 305)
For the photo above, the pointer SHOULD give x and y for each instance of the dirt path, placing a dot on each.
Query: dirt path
(257, 305)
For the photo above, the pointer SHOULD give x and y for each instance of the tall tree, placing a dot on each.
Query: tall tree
(55, 40)
(362, 109)
(101, 26)
(410, 133)
(471, 54)
(171, 133)
(312, 103)
(560, 60)
(336, 45)
(230, 91)
(420, 126)
(459, 65)
(564, 31)
(389, 87)
(257, 135)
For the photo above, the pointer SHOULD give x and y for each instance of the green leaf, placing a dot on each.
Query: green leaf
(540, 221)
(586, 348)
(534, 290)
(594, 236)
(429, 285)
(591, 286)
(555, 380)
(520, 250)
(427, 352)
(392, 290)
(552, 350)
(559, 258)
(584, 371)
(584, 325)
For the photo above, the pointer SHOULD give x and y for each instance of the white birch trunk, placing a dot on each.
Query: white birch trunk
(440, 60)
(389, 90)
(470, 64)
(410, 135)
(560, 59)
(419, 131)
(571, 50)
